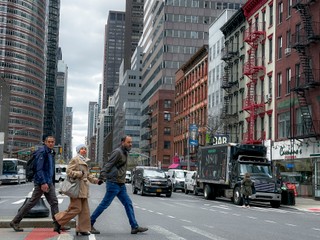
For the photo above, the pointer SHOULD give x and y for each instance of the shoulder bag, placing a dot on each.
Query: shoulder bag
(70, 187)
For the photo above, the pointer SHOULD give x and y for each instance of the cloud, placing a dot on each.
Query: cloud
(81, 38)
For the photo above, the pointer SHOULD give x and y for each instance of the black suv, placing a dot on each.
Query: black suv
(151, 180)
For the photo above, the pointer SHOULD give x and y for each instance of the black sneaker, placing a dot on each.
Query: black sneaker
(16, 227)
(56, 227)
(138, 229)
(94, 231)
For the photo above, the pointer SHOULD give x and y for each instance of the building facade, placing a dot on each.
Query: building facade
(173, 32)
(22, 66)
(190, 107)
(67, 147)
(113, 54)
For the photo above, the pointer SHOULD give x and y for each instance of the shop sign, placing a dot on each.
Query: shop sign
(290, 152)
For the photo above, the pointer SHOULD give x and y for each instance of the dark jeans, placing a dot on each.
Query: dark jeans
(246, 200)
(36, 195)
(120, 191)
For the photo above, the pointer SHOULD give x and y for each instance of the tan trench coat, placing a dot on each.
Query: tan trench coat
(79, 169)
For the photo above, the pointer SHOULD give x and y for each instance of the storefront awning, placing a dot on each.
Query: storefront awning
(174, 165)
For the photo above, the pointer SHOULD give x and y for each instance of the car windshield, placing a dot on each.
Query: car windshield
(154, 173)
(256, 170)
(179, 174)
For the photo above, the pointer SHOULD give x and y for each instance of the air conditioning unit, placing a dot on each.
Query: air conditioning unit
(268, 98)
(287, 51)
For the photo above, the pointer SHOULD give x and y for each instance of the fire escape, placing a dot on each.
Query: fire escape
(303, 39)
(253, 68)
(229, 55)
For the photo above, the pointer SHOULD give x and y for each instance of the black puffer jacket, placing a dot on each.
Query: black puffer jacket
(114, 170)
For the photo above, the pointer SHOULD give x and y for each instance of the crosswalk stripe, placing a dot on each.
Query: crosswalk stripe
(169, 235)
(18, 202)
(204, 233)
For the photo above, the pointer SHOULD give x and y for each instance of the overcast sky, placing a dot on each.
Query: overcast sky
(82, 25)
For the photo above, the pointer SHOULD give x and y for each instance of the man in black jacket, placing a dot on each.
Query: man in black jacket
(114, 172)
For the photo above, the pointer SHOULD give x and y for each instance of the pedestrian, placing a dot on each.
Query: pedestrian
(43, 183)
(246, 189)
(114, 172)
(79, 206)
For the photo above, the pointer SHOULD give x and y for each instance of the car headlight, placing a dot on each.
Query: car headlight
(147, 182)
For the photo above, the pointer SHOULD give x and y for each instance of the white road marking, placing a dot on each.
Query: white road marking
(169, 235)
(204, 233)
(291, 225)
(269, 221)
(184, 220)
(316, 229)
(169, 216)
(18, 202)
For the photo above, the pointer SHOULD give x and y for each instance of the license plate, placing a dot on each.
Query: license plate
(158, 190)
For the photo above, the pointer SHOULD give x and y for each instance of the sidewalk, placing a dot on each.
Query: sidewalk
(44, 230)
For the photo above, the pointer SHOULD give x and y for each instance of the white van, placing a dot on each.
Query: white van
(177, 177)
(190, 183)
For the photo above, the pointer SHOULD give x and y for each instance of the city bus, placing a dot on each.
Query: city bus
(14, 171)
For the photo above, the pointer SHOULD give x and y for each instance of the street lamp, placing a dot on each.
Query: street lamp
(14, 133)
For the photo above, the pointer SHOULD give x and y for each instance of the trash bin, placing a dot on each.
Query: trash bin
(291, 197)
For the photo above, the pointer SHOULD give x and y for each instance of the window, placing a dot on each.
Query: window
(270, 126)
(283, 125)
(167, 131)
(280, 47)
(270, 50)
(297, 77)
(279, 79)
(166, 144)
(288, 39)
(270, 15)
(280, 12)
(167, 103)
(167, 117)
(288, 77)
(289, 7)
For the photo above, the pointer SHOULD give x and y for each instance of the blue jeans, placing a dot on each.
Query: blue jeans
(120, 191)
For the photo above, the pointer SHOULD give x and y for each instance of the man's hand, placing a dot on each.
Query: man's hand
(45, 187)
(100, 182)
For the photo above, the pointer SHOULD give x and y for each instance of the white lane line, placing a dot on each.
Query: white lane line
(69, 237)
(316, 229)
(251, 217)
(169, 216)
(291, 225)
(151, 211)
(270, 221)
(92, 237)
(184, 220)
(169, 235)
(159, 213)
(204, 233)
(18, 202)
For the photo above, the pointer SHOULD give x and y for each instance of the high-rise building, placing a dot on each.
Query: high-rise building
(49, 120)
(173, 32)
(92, 119)
(113, 54)
(60, 102)
(68, 135)
(134, 27)
(22, 66)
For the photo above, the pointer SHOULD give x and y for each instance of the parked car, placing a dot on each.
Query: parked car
(177, 177)
(151, 180)
(190, 183)
(128, 176)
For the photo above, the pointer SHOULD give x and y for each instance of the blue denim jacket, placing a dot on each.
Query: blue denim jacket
(44, 166)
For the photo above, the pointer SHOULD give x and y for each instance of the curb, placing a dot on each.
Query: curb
(33, 223)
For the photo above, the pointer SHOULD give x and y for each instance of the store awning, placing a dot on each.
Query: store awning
(174, 165)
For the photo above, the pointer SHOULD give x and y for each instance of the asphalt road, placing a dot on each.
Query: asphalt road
(184, 217)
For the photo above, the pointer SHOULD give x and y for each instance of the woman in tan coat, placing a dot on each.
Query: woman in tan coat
(78, 168)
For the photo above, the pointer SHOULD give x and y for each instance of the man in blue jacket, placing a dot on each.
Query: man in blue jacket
(43, 183)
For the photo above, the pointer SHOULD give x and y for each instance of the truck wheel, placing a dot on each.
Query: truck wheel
(237, 198)
(275, 204)
(207, 192)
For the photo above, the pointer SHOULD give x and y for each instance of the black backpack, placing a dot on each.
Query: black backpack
(31, 168)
